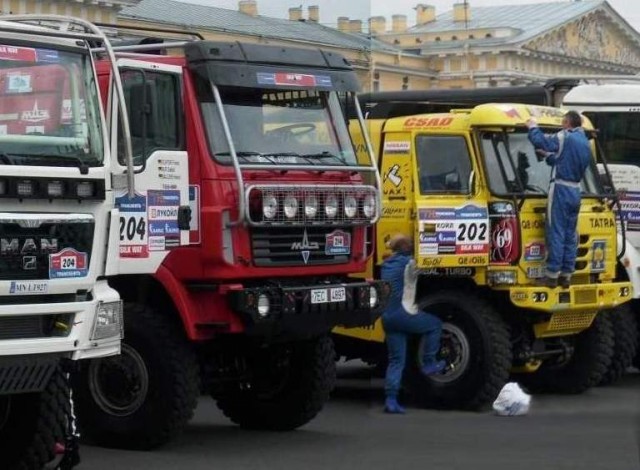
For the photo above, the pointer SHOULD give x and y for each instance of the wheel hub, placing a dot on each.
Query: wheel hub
(119, 384)
(454, 350)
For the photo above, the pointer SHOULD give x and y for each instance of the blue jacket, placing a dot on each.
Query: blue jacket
(392, 271)
(575, 157)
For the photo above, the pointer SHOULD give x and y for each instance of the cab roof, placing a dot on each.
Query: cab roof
(485, 115)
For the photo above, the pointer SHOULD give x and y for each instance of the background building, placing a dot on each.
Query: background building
(466, 46)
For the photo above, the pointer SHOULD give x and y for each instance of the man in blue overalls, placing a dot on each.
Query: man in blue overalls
(569, 154)
(402, 318)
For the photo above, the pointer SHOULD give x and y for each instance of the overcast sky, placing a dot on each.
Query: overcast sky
(330, 10)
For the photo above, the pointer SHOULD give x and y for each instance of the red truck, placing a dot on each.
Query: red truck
(250, 214)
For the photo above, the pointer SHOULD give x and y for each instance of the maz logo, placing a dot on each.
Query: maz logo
(305, 248)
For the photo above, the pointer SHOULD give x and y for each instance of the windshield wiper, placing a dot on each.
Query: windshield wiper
(326, 154)
(5, 159)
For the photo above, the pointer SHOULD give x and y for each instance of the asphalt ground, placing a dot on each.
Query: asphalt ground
(597, 430)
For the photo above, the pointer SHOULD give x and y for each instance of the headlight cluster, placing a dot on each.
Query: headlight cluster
(48, 188)
(277, 205)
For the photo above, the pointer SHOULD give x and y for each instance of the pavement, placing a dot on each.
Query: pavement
(597, 430)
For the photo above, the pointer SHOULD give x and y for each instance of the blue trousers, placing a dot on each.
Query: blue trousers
(398, 326)
(561, 230)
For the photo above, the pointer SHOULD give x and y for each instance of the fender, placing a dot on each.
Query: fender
(631, 262)
(183, 302)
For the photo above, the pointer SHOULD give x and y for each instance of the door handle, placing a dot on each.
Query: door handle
(184, 217)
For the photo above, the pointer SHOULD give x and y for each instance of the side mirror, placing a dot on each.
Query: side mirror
(606, 183)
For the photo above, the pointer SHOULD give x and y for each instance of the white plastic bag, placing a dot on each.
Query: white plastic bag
(512, 401)
(409, 291)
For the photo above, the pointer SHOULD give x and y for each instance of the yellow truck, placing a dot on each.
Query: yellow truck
(468, 186)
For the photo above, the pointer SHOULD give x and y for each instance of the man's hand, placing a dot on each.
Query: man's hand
(532, 122)
(542, 154)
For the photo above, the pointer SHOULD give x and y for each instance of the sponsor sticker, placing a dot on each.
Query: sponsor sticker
(163, 207)
(28, 287)
(397, 147)
(294, 79)
(536, 272)
(18, 83)
(68, 263)
(133, 226)
(337, 242)
(535, 251)
(599, 249)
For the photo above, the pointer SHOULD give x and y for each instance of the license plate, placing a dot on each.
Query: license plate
(323, 296)
(537, 272)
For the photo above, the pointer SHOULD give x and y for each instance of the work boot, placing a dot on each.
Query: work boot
(392, 406)
(433, 368)
(565, 282)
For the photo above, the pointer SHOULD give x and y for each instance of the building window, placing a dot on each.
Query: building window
(471, 36)
(418, 41)
(454, 38)
(488, 35)
(437, 38)
(376, 85)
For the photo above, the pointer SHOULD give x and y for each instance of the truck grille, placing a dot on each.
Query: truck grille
(311, 246)
(26, 242)
(34, 326)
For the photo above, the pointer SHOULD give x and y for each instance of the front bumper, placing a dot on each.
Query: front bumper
(578, 297)
(76, 338)
(301, 311)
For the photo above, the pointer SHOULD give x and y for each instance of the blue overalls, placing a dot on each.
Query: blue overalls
(570, 157)
(398, 325)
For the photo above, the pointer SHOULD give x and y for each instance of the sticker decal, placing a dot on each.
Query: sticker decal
(535, 251)
(393, 176)
(28, 287)
(68, 263)
(305, 247)
(402, 147)
(163, 206)
(337, 242)
(18, 83)
(133, 226)
(194, 204)
(599, 253)
(294, 79)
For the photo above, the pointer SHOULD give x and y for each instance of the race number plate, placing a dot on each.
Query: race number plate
(536, 272)
(323, 296)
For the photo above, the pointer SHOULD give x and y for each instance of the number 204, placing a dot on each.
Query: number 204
(131, 227)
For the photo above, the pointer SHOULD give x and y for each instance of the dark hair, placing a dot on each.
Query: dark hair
(575, 120)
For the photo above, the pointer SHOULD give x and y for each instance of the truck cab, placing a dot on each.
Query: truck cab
(468, 186)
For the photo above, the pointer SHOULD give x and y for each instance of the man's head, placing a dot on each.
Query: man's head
(571, 120)
(401, 244)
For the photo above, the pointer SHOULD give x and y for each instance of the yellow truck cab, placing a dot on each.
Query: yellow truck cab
(468, 186)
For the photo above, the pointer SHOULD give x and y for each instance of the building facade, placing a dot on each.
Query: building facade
(97, 11)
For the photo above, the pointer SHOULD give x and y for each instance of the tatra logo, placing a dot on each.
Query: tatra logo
(35, 115)
(305, 247)
(27, 246)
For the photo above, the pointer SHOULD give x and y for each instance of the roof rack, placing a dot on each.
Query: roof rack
(58, 26)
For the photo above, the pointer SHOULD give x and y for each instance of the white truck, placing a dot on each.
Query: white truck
(58, 227)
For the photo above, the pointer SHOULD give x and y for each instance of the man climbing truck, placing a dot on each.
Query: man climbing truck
(469, 187)
(57, 208)
(278, 216)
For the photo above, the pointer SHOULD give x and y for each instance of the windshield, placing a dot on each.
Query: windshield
(513, 167)
(48, 108)
(619, 135)
(278, 126)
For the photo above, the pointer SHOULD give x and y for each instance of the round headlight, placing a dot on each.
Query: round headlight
(369, 206)
(263, 305)
(350, 206)
(373, 297)
(331, 206)
(269, 206)
(290, 206)
(311, 206)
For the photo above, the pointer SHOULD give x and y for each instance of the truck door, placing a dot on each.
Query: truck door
(397, 190)
(452, 227)
(156, 220)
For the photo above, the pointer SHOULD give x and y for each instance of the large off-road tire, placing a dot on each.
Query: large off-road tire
(475, 341)
(585, 368)
(144, 397)
(287, 386)
(625, 343)
(31, 424)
